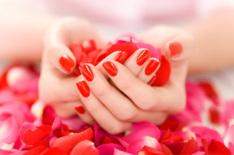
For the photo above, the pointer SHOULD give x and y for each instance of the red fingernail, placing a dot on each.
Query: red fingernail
(67, 63)
(152, 66)
(80, 109)
(110, 68)
(142, 57)
(88, 46)
(175, 48)
(86, 72)
(121, 57)
(83, 88)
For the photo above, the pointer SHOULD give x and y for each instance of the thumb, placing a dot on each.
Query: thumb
(178, 50)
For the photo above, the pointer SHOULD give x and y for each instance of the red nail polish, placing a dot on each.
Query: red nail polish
(110, 68)
(83, 88)
(152, 66)
(121, 57)
(80, 109)
(67, 63)
(88, 46)
(175, 48)
(142, 57)
(86, 72)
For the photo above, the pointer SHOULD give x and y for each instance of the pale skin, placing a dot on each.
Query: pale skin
(52, 36)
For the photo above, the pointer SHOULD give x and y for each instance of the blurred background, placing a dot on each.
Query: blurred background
(120, 16)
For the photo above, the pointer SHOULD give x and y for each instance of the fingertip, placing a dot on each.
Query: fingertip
(175, 48)
(83, 114)
(79, 109)
(110, 68)
(180, 47)
(66, 63)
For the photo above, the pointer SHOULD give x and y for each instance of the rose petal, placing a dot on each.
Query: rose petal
(137, 137)
(35, 135)
(119, 152)
(66, 143)
(189, 147)
(206, 133)
(217, 148)
(108, 148)
(8, 129)
(36, 150)
(85, 147)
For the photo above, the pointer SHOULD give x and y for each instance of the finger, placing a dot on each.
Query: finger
(108, 95)
(98, 111)
(178, 50)
(64, 109)
(149, 70)
(58, 53)
(154, 117)
(52, 84)
(83, 114)
(61, 35)
(135, 62)
(62, 58)
(128, 83)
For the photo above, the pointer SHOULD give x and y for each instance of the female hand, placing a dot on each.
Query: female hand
(57, 86)
(131, 99)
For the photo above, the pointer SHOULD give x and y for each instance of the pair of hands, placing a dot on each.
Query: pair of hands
(110, 93)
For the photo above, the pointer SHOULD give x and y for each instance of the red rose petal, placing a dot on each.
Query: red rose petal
(150, 151)
(170, 137)
(166, 150)
(214, 115)
(53, 151)
(66, 143)
(88, 46)
(36, 150)
(128, 47)
(36, 136)
(85, 148)
(48, 115)
(163, 73)
(217, 148)
(210, 91)
(189, 147)
(171, 124)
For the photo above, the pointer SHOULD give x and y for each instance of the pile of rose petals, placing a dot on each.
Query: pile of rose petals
(29, 127)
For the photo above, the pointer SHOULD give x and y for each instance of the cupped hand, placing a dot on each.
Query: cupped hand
(56, 85)
(122, 92)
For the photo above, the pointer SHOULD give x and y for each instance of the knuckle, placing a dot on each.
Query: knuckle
(146, 105)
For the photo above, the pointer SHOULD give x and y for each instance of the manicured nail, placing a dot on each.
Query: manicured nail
(80, 109)
(67, 63)
(88, 46)
(152, 66)
(83, 88)
(175, 48)
(86, 71)
(142, 57)
(110, 68)
(121, 57)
